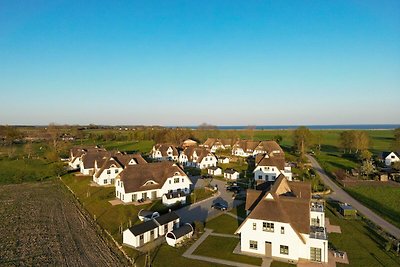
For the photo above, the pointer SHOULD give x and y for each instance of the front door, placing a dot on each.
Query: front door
(268, 249)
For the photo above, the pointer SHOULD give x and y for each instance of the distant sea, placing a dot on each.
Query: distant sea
(314, 127)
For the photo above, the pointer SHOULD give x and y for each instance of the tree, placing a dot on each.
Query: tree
(367, 168)
(54, 131)
(28, 149)
(365, 155)
(302, 137)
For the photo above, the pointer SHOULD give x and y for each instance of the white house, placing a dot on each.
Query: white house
(231, 174)
(390, 157)
(269, 168)
(284, 224)
(151, 181)
(76, 154)
(87, 164)
(164, 152)
(148, 231)
(198, 157)
(244, 148)
(216, 171)
(106, 170)
(269, 147)
(177, 236)
(223, 160)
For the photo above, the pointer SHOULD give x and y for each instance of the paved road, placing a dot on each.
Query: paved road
(340, 195)
(202, 210)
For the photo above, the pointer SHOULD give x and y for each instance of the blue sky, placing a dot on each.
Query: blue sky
(188, 62)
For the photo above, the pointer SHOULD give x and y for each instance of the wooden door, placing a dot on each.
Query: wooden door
(268, 249)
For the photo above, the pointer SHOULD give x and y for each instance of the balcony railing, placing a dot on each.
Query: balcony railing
(318, 232)
(317, 207)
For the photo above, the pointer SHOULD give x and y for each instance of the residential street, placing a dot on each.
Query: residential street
(340, 195)
(202, 210)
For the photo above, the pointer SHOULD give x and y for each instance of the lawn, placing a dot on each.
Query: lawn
(126, 146)
(223, 224)
(172, 257)
(383, 200)
(363, 246)
(222, 248)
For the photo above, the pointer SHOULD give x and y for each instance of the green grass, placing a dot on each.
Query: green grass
(223, 224)
(363, 246)
(239, 211)
(200, 194)
(222, 248)
(142, 146)
(95, 200)
(172, 257)
(383, 200)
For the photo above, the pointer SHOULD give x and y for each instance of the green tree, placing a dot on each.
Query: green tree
(302, 138)
(278, 138)
(365, 155)
(318, 137)
(367, 168)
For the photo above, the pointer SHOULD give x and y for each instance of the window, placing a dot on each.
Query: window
(284, 250)
(118, 182)
(268, 227)
(314, 221)
(176, 180)
(183, 180)
(282, 230)
(273, 169)
(141, 237)
(315, 254)
(169, 181)
(253, 244)
(259, 177)
(133, 197)
(108, 171)
(116, 171)
(254, 226)
(144, 196)
(105, 181)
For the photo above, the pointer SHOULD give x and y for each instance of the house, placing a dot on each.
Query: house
(188, 143)
(231, 174)
(174, 197)
(177, 236)
(76, 154)
(390, 157)
(88, 160)
(197, 157)
(284, 223)
(214, 170)
(151, 181)
(269, 168)
(140, 234)
(270, 147)
(244, 148)
(223, 160)
(107, 168)
(213, 144)
(162, 152)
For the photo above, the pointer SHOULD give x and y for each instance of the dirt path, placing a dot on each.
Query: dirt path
(41, 225)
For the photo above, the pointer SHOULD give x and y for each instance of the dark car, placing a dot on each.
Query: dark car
(219, 206)
(206, 176)
(233, 188)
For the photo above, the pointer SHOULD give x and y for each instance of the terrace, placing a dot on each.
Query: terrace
(318, 207)
(318, 232)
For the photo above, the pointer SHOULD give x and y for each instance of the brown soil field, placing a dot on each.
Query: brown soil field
(41, 224)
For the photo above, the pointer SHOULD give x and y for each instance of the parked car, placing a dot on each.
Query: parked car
(219, 206)
(206, 176)
(233, 188)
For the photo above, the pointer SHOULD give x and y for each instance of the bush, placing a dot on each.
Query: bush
(198, 227)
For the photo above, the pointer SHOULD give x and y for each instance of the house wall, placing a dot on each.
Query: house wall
(391, 158)
(319, 215)
(74, 164)
(234, 176)
(172, 201)
(169, 185)
(208, 161)
(107, 179)
(270, 173)
(297, 248)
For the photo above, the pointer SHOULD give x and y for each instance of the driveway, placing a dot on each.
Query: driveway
(202, 210)
(341, 195)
